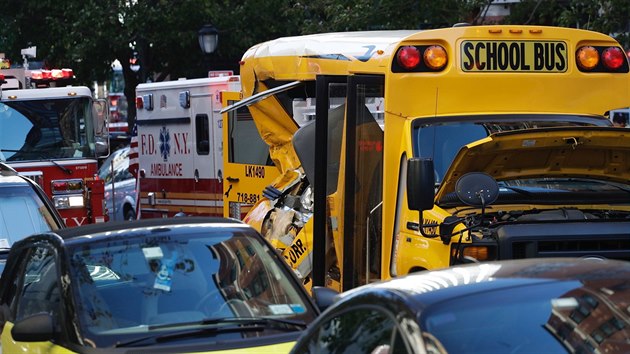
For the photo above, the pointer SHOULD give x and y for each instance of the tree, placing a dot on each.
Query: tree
(89, 35)
(355, 15)
(606, 16)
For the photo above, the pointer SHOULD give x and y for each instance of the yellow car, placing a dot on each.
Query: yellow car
(178, 285)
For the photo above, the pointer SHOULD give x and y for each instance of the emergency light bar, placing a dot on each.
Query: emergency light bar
(54, 74)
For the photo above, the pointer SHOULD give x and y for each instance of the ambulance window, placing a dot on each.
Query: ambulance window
(203, 134)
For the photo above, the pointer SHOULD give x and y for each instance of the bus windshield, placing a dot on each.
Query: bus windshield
(46, 129)
(442, 140)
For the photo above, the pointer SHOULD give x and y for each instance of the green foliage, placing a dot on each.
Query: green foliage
(88, 35)
(606, 16)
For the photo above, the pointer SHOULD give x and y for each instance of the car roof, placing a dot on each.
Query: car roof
(137, 226)
(16, 180)
(427, 287)
(9, 175)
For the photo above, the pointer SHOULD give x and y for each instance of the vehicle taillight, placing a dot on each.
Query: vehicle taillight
(601, 59)
(65, 186)
(435, 57)
(408, 57)
(587, 58)
(420, 58)
(613, 58)
(1, 78)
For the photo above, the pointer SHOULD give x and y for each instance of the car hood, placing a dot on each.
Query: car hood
(589, 152)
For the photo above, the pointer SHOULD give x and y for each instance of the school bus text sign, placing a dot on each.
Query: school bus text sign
(514, 56)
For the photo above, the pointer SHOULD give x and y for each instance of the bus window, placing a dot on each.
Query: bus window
(246, 145)
(442, 142)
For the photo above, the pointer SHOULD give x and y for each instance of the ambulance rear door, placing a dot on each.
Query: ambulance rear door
(248, 169)
(206, 145)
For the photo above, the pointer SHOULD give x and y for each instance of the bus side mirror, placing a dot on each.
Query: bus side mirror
(420, 184)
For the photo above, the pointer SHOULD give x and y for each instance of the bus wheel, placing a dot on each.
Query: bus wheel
(416, 269)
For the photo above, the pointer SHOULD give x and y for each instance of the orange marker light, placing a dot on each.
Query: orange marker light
(435, 57)
(587, 58)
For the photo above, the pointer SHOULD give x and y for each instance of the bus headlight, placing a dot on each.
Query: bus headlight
(465, 253)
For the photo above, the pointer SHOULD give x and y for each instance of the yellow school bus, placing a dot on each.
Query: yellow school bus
(400, 151)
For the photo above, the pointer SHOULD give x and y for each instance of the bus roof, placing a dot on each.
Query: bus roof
(303, 57)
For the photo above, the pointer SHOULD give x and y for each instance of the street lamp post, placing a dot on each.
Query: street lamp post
(208, 38)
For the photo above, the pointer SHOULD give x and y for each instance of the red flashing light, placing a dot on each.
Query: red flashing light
(139, 103)
(59, 186)
(36, 75)
(67, 73)
(613, 58)
(53, 74)
(408, 57)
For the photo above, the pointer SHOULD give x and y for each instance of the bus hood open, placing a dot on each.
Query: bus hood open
(589, 152)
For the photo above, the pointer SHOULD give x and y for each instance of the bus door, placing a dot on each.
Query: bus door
(362, 173)
(330, 105)
(247, 167)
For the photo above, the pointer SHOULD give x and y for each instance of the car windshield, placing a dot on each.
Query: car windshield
(134, 289)
(441, 141)
(550, 317)
(22, 213)
(115, 166)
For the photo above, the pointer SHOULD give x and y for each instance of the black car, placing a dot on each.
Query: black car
(24, 210)
(158, 285)
(554, 305)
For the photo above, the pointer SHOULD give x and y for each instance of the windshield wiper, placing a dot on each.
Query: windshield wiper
(63, 168)
(227, 324)
(515, 189)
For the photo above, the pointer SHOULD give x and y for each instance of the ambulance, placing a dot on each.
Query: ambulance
(180, 146)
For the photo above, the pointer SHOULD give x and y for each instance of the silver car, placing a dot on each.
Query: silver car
(120, 186)
(24, 210)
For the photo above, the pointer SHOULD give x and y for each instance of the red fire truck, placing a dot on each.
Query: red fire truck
(54, 133)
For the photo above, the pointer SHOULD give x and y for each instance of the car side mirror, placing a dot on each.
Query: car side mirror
(102, 147)
(323, 297)
(35, 328)
(420, 184)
